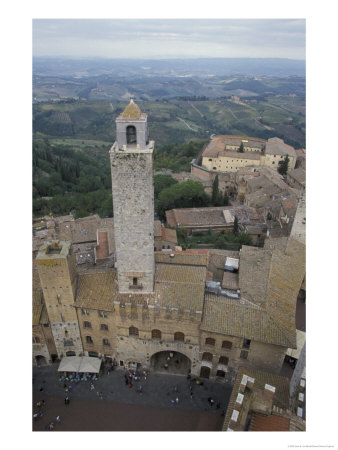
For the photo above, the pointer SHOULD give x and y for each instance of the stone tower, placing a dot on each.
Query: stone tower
(57, 272)
(131, 160)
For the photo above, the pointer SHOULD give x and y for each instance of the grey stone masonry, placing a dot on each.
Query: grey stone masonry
(133, 203)
(140, 125)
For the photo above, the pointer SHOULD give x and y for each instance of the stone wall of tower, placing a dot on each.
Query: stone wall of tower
(57, 275)
(133, 202)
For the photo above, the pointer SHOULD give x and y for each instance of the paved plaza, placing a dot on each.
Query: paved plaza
(113, 406)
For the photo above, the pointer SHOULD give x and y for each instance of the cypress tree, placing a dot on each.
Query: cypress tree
(215, 191)
(284, 165)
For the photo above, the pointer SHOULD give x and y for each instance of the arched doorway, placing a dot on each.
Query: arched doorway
(131, 134)
(205, 372)
(40, 360)
(170, 362)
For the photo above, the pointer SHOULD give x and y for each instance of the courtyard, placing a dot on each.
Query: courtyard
(114, 406)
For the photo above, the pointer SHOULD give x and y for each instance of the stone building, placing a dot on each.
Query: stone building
(219, 219)
(57, 271)
(159, 310)
(222, 155)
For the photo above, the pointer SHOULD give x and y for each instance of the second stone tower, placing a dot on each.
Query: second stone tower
(131, 161)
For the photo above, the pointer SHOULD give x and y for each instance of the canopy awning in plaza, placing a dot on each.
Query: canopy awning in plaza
(69, 364)
(79, 364)
(90, 364)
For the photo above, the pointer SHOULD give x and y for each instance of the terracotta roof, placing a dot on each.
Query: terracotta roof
(169, 235)
(217, 259)
(176, 286)
(177, 273)
(185, 257)
(230, 280)
(261, 422)
(157, 228)
(254, 273)
(84, 230)
(241, 319)
(289, 206)
(276, 243)
(213, 216)
(276, 146)
(218, 153)
(217, 145)
(269, 283)
(102, 249)
(97, 290)
(298, 175)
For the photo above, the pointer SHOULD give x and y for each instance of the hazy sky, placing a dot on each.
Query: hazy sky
(156, 38)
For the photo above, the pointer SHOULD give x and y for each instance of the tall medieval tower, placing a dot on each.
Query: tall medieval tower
(131, 160)
(57, 272)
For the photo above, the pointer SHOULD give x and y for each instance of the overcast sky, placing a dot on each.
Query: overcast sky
(166, 38)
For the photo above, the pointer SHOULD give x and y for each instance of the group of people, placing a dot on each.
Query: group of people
(51, 425)
(130, 376)
(77, 377)
(41, 405)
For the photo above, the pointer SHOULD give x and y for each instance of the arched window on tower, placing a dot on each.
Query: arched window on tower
(131, 134)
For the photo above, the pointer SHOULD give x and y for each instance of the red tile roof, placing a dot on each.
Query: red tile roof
(260, 422)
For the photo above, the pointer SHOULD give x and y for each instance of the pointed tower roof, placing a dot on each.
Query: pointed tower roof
(132, 111)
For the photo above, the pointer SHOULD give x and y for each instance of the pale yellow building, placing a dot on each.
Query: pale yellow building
(222, 155)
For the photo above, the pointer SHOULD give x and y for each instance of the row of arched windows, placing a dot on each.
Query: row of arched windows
(178, 336)
(212, 342)
(156, 334)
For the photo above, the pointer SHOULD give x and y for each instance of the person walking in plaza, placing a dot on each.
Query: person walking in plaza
(58, 420)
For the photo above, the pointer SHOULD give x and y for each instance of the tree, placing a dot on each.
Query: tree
(241, 148)
(284, 165)
(162, 182)
(215, 191)
(225, 199)
(235, 228)
(188, 194)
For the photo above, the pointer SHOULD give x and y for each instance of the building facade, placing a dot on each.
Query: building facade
(222, 154)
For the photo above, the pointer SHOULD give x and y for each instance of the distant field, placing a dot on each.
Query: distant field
(79, 142)
(174, 120)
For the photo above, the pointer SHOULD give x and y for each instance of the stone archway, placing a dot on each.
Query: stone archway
(170, 362)
(40, 360)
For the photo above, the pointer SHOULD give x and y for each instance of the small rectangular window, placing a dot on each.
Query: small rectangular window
(246, 343)
(244, 354)
(87, 324)
(134, 281)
